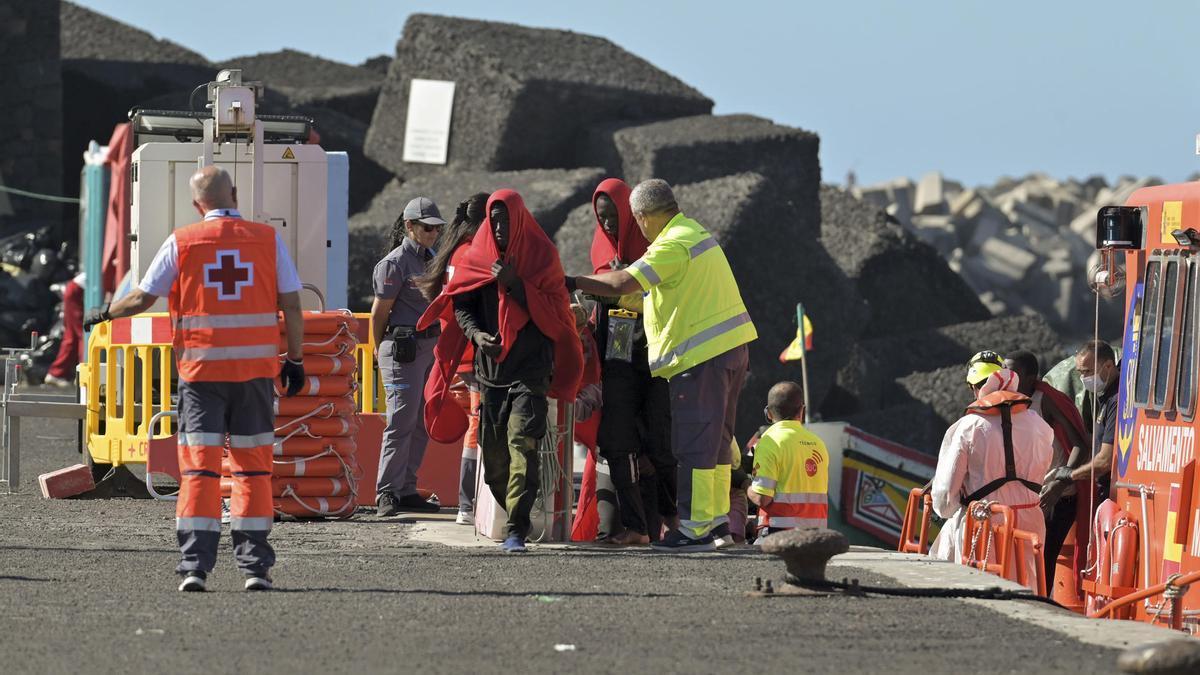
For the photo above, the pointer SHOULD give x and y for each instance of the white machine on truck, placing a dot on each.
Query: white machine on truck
(281, 179)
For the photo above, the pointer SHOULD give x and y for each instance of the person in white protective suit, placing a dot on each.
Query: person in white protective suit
(975, 462)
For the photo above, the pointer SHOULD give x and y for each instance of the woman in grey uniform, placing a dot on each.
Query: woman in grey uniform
(405, 355)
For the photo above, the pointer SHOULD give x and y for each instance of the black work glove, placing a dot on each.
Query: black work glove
(487, 343)
(96, 316)
(571, 284)
(291, 376)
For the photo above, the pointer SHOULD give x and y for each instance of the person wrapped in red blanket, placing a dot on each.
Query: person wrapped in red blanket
(508, 298)
(635, 431)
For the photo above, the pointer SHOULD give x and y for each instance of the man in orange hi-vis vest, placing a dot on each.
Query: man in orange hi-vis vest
(226, 278)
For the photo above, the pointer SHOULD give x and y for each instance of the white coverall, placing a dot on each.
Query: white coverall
(972, 455)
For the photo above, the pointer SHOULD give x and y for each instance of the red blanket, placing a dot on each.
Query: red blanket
(629, 244)
(536, 261)
(587, 519)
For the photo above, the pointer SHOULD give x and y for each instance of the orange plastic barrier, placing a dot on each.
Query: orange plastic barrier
(999, 548)
(919, 544)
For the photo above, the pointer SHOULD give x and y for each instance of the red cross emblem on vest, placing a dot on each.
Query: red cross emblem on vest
(229, 275)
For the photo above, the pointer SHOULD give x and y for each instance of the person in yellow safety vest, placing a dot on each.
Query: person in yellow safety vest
(999, 451)
(697, 329)
(791, 466)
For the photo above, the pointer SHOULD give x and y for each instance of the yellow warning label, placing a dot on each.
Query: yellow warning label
(1172, 219)
(288, 154)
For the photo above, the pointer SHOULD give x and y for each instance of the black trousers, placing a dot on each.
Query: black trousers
(635, 439)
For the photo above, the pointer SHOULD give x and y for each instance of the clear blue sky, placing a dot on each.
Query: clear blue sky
(975, 89)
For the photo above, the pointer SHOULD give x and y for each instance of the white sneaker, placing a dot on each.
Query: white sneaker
(724, 542)
(193, 582)
(226, 514)
(56, 381)
(262, 583)
(465, 518)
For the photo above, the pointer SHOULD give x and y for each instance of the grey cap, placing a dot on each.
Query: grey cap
(422, 209)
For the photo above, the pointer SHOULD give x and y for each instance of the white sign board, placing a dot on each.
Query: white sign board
(427, 131)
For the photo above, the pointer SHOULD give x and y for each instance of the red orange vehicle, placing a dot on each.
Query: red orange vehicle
(1144, 547)
(1153, 561)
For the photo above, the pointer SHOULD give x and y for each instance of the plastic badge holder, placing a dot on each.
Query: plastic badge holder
(621, 326)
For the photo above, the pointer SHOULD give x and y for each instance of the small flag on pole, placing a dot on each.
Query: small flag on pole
(803, 342)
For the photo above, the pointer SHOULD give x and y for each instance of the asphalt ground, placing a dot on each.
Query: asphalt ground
(89, 586)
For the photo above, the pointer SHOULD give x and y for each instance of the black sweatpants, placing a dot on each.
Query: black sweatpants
(635, 439)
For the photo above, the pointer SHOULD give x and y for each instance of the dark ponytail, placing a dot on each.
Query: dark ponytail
(396, 237)
(467, 219)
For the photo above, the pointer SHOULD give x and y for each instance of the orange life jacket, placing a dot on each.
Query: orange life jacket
(224, 302)
(1003, 404)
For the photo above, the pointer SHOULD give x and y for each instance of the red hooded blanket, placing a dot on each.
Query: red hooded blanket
(630, 244)
(536, 261)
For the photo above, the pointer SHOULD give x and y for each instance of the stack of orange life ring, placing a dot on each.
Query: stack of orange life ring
(315, 472)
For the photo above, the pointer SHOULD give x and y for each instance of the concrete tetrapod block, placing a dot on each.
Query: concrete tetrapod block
(930, 199)
(1178, 656)
(549, 193)
(1007, 259)
(693, 149)
(311, 81)
(869, 379)
(524, 97)
(806, 551)
(905, 282)
(776, 267)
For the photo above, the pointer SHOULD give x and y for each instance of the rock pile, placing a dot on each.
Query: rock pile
(548, 193)
(340, 98)
(31, 115)
(109, 67)
(525, 98)
(901, 376)
(1024, 245)
(900, 280)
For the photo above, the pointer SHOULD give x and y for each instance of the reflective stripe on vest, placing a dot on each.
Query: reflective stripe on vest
(798, 509)
(793, 523)
(229, 353)
(229, 321)
(224, 301)
(711, 333)
(699, 316)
